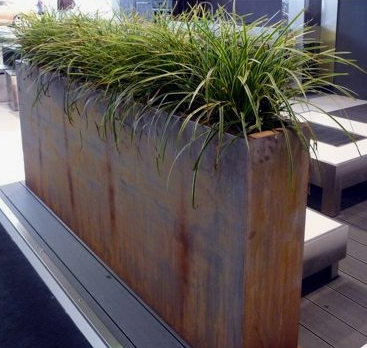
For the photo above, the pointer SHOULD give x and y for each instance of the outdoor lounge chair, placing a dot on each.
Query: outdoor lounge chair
(325, 244)
(340, 160)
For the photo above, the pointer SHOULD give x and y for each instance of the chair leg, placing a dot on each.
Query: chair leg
(331, 200)
(334, 270)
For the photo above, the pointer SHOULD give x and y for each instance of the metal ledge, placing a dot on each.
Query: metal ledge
(82, 315)
(107, 312)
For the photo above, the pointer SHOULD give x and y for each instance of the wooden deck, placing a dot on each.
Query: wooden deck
(335, 314)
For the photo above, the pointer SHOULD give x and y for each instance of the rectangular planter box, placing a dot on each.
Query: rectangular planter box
(224, 275)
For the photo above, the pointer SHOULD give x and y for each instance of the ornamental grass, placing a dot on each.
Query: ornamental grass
(212, 69)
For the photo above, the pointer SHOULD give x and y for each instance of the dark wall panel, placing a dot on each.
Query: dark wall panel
(313, 12)
(351, 37)
(260, 8)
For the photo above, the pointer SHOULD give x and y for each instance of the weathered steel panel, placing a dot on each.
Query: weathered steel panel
(274, 241)
(226, 274)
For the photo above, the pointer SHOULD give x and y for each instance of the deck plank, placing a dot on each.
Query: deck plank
(341, 307)
(351, 288)
(355, 268)
(355, 215)
(308, 339)
(357, 250)
(329, 328)
(358, 235)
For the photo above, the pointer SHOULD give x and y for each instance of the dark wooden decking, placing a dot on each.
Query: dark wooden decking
(335, 314)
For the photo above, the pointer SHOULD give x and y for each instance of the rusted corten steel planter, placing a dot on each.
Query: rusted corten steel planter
(225, 275)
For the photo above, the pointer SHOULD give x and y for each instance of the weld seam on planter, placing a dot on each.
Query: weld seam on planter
(80, 312)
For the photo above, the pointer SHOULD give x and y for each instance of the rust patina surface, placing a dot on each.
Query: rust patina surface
(224, 275)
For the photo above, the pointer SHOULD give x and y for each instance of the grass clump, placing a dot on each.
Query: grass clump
(213, 69)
